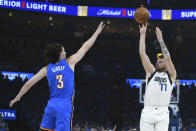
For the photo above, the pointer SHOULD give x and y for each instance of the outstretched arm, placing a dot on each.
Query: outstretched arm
(169, 64)
(149, 68)
(42, 73)
(75, 58)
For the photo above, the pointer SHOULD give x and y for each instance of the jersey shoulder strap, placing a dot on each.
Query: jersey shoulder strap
(151, 76)
(169, 77)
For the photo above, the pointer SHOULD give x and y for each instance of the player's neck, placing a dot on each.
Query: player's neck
(161, 70)
(61, 59)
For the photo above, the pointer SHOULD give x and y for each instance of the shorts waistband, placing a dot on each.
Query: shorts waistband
(155, 108)
(61, 100)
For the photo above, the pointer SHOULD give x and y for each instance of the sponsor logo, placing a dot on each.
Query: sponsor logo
(166, 14)
(124, 12)
(114, 12)
(7, 3)
(7, 114)
(82, 10)
(34, 6)
(188, 14)
(130, 13)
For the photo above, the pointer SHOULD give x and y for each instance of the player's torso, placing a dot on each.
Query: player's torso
(61, 80)
(158, 90)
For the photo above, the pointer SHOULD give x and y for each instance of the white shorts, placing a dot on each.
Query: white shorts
(154, 119)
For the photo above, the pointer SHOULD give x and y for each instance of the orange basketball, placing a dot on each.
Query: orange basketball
(141, 15)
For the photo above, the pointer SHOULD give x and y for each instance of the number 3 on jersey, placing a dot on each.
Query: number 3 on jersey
(60, 84)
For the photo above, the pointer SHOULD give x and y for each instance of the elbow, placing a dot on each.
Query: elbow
(27, 84)
(175, 74)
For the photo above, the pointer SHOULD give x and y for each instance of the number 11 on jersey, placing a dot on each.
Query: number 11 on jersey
(163, 87)
(60, 84)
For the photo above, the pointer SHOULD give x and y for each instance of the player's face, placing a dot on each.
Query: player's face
(63, 53)
(160, 65)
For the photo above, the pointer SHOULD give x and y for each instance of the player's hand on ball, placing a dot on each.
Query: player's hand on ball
(16, 99)
(159, 34)
(100, 27)
(143, 29)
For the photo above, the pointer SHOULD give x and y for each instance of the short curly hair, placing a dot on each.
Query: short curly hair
(52, 52)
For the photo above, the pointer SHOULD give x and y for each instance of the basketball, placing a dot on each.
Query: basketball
(141, 15)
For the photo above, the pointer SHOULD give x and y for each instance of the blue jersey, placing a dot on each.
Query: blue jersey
(61, 80)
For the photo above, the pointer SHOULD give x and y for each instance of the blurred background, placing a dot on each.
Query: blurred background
(103, 97)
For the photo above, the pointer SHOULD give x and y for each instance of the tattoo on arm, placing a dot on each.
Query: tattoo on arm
(164, 48)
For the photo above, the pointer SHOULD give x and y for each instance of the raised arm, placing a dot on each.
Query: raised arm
(42, 73)
(169, 64)
(149, 68)
(75, 58)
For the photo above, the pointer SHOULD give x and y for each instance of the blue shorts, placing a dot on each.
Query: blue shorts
(57, 116)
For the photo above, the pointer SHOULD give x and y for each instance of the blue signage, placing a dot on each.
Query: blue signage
(39, 6)
(133, 82)
(183, 14)
(155, 14)
(95, 11)
(8, 114)
(108, 12)
(12, 75)
(120, 12)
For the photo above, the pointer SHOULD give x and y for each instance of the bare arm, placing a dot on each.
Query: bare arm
(149, 68)
(37, 77)
(75, 58)
(169, 64)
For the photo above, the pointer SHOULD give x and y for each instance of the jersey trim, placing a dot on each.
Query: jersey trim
(46, 129)
(169, 77)
(71, 118)
(151, 76)
(72, 101)
(68, 65)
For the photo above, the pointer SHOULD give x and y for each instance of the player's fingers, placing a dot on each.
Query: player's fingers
(156, 30)
(101, 23)
(103, 26)
(11, 104)
(146, 24)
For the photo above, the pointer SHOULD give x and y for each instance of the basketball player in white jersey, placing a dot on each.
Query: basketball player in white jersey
(159, 85)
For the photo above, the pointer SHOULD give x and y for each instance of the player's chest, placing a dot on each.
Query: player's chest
(160, 78)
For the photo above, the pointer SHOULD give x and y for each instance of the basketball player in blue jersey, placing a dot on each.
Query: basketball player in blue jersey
(60, 75)
(159, 85)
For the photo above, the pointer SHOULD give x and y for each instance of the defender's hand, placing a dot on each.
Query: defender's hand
(100, 28)
(14, 101)
(159, 34)
(143, 29)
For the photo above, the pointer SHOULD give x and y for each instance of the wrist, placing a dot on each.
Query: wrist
(161, 41)
(143, 34)
(96, 33)
(18, 97)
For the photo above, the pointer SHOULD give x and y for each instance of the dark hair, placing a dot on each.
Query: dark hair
(52, 53)
(161, 57)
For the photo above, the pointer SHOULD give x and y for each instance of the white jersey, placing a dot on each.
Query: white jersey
(158, 90)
